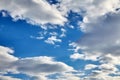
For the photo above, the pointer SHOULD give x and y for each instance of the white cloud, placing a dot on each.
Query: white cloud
(100, 26)
(110, 59)
(90, 66)
(38, 67)
(76, 56)
(4, 14)
(53, 33)
(41, 65)
(68, 76)
(99, 75)
(103, 36)
(106, 67)
(75, 47)
(101, 39)
(6, 54)
(87, 8)
(63, 32)
(82, 55)
(33, 11)
(6, 59)
(52, 40)
(110, 68)
(100, 23)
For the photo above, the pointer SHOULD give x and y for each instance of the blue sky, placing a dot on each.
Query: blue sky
(59, 40)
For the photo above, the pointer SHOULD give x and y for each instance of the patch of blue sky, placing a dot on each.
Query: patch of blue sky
(53, 1)
(16, 34)
(19, 76)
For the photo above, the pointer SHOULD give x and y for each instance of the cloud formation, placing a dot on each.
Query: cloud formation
(100, 42)
(101, 38)
(33, 11)
(39, 67)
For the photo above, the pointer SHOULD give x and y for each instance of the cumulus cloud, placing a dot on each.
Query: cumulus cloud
(76, 56)
(107, 69)
(42, 64)
(87, 8)
(90, 66)
(33, 11)
(100, 75)
(101, 39)
(6, 59)
(38, 67)
(100, 42)
(101, 30)
(103, 36)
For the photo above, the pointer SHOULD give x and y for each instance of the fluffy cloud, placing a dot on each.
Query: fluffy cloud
(90, 66)
(38, 67)
(42, 64)
(107, 69)
(101, 39)
(6, 59)
(87, 8)
(101, 30)
(103, 35)
(6, 54)
(99, 75)
(33, 11)
(100, 42)
(110, 59)
(77, 56)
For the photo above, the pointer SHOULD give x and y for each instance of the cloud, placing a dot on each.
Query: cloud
(33, 11)
(99, 75)
(103, 36)
(6, 59)
(100, 27)
(75, 47)
(42, 64)
(100, 42)
(52, 40)
(87, 8)
(6, 54)
(90, 66)
(68, 76)
(76, 56)
(106, 69)
(8, 78)
(101, 39)
(37, 67)
(63, 32)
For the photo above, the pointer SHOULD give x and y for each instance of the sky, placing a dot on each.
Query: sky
(59, 39)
